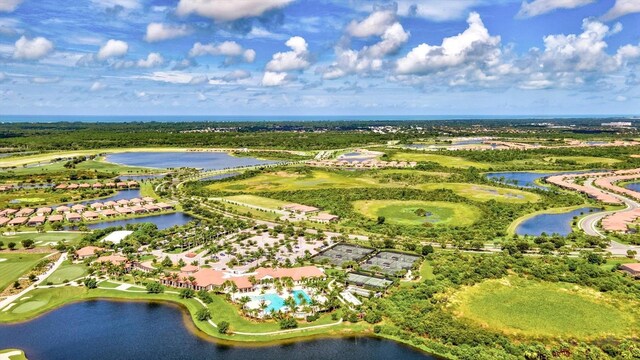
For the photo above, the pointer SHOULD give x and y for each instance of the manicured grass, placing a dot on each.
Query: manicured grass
(518, 306)
(283, 181)
(404, 212)
(484, 192)
(258, 201)
(584, 160)
(426, 271)
(613, 262)
(43, 239)
(16, 265)
(444, 160)
(67, 271)
(19, 356)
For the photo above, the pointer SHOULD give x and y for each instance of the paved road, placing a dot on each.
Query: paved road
(589, 223)
(41, 278)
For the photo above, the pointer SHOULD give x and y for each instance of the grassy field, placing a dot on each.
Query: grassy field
(67, 271)
(484, 192)
(426, 271)
(584, 160)
(258, 201)
(43, 239)
(404, 212)
(15, 265)
(444, 160)
(283, 181)
(524, 307)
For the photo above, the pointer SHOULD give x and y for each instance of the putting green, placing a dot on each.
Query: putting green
(400, 212)
(524, 307)
(484, 192)
(67, 272)
(28, 306)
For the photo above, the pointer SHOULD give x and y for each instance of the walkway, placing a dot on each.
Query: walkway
(41, 278)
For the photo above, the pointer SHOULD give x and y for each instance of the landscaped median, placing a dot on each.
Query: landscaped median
(41, 300)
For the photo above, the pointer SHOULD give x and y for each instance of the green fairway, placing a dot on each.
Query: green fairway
(257, 201)
(444, 160)
(485, 193)
(67, 271)
(283, 181)
(45, 239)
(400, 212)
(518, 306)
(15, 265)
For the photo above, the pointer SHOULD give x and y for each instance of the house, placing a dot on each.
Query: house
(138, 209)
(301, 209)
(109, 213)
(110, 185)
(73, 217)
(122, 185)
(123, 210)
(90, 215)
(631, 269)
(135, 201)
(145, 266)
(133, 184)
(36, 221)
(148, 199)
(164, 206)
(61, 187)
(110, 204)
(4, 221)
(8, 212)
(97, 186)
(325, 218)
(55, 218)
(113, 259)
(151, 208)
(123, 202)
(72, 186)
(17, 221)
(297, 274)
(25, 212)
(189, 269)
(96, 206)
(78, 208)
(43, 211)
(63, 209)
(84, 186)
(88, 251)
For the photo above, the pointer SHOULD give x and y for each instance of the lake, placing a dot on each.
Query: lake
(551, 223)
(178, 159)
(140, 177)
(163, 221)
(633, 186)
(526, 179)
(133, 330)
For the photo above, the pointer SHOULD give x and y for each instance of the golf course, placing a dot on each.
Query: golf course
(413, 213)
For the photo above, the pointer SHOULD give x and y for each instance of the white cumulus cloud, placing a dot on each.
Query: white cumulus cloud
(622, 8)
(112, 49)
(152, 60)
(474, 45)
(296, 59)
(230, 49)
(160, 32)
(539, 7)
(9, 5)
(374, 24)
(271, 78)
(229, 10)
(32, 49)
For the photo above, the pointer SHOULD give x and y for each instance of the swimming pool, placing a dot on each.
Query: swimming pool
(275, 302)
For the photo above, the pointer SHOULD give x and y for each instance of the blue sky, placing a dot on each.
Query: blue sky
(320, 57)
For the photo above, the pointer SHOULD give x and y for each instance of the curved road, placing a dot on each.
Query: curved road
(589, 222)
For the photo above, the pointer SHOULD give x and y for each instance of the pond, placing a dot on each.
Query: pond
(219, 176)
(163, 221)
(526, 179)
(633, 186)
(140, 177)
(121, 330)
(177, 159)
(552, 223)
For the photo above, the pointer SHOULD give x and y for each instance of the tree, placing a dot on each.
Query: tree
(372, 317)
(1, 244)
(223, 327)
(630, 254)
(11, 245)
(90, 283)
(381, 220)
(203, 314)
(186, 294)
(166, 262)
(155, 287)
(288, 323)
(27, 243)
(427, 249)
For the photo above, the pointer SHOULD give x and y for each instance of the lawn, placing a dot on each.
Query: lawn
(283, 181)
(426, 271)
(257, 201)
(584, 160)
(443, 160)
(67, 271)
(541, 309)
(19, 354)
(15, 265)
(43, 239)
(485, 193)
(401, 212)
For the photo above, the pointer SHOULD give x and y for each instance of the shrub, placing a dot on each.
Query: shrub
(223, 327)
(90, 283)
(155, 288)
(186, 294)
(288, 323)
(203, 314)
